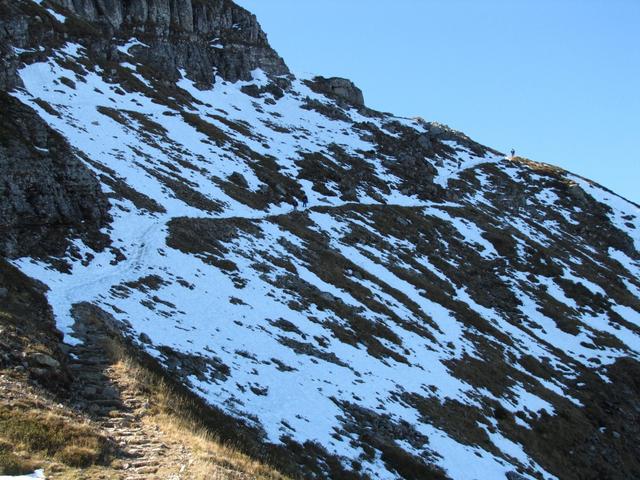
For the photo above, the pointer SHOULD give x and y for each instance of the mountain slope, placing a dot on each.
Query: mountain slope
(383, 297)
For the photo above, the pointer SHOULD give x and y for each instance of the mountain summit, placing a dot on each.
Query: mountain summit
(352, 294)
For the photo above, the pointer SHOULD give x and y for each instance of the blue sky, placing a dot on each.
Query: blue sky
(558, 80)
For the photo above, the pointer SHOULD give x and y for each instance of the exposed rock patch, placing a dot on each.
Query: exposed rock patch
(340, 88)
(46, 193)
(29, 339)
(199, 37)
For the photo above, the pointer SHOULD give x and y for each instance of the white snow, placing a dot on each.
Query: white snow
(133, 42)
(60, 18)
(244, 336)
(36, 474)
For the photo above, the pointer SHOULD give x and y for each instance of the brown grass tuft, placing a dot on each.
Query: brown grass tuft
(177, 416)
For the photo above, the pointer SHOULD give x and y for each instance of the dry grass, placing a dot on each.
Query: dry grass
(31, 435)
(177, 416)
(13, 464)
(212, 457)
(36, 433)
(540, 167)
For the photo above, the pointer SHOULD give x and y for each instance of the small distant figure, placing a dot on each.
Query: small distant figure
(513, 152)
(305, 201)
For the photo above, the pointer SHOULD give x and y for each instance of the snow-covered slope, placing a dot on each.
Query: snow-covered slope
(379, 294)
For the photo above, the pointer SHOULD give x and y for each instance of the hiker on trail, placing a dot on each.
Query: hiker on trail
(513, 152)
(305, 201)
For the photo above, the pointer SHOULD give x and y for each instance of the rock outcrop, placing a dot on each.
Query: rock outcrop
(29, 339)
(199, 37)
(202, 38)
(46, 193)
(340, 88)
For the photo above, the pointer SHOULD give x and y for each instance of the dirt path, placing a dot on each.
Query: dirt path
(102, 390)
(112, 398)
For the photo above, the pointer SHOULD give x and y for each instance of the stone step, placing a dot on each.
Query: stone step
(88, 349)
(91, 354)
(131, 398)
(93, 375)
(120, 415)
(131, 432)
(158, 451)
(143, 463)
(132, 436)
(146, 470)
(117, 404)
(107, 402)
(139, 442)
(83, 373)
(118, 424)
(91, 382)
(85, 369)
(133, 454)
(103, 412)
(102, 399)
(91, 362)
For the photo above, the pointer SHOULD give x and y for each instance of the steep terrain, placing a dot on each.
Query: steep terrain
(368, 296)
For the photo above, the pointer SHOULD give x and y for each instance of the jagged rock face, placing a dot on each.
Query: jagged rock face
(198, 36)
(17, 30)
(203, 38)
(46, 193)
(379, 297)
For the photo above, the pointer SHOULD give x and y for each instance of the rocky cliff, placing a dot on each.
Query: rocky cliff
(370, 296)
(46, 193)
(201, 37)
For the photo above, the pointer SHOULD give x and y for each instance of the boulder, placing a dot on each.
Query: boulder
(328, 297)
(578, 194)
(340, 88)
(437, 129)
(424, 141)
(44, 360)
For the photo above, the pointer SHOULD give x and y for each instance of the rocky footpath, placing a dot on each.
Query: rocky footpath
(89, 410)
(116, 405)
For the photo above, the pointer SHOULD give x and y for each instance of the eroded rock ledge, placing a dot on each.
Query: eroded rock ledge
(200, 37)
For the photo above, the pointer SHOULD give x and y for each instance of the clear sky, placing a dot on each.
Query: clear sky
(558, 80)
